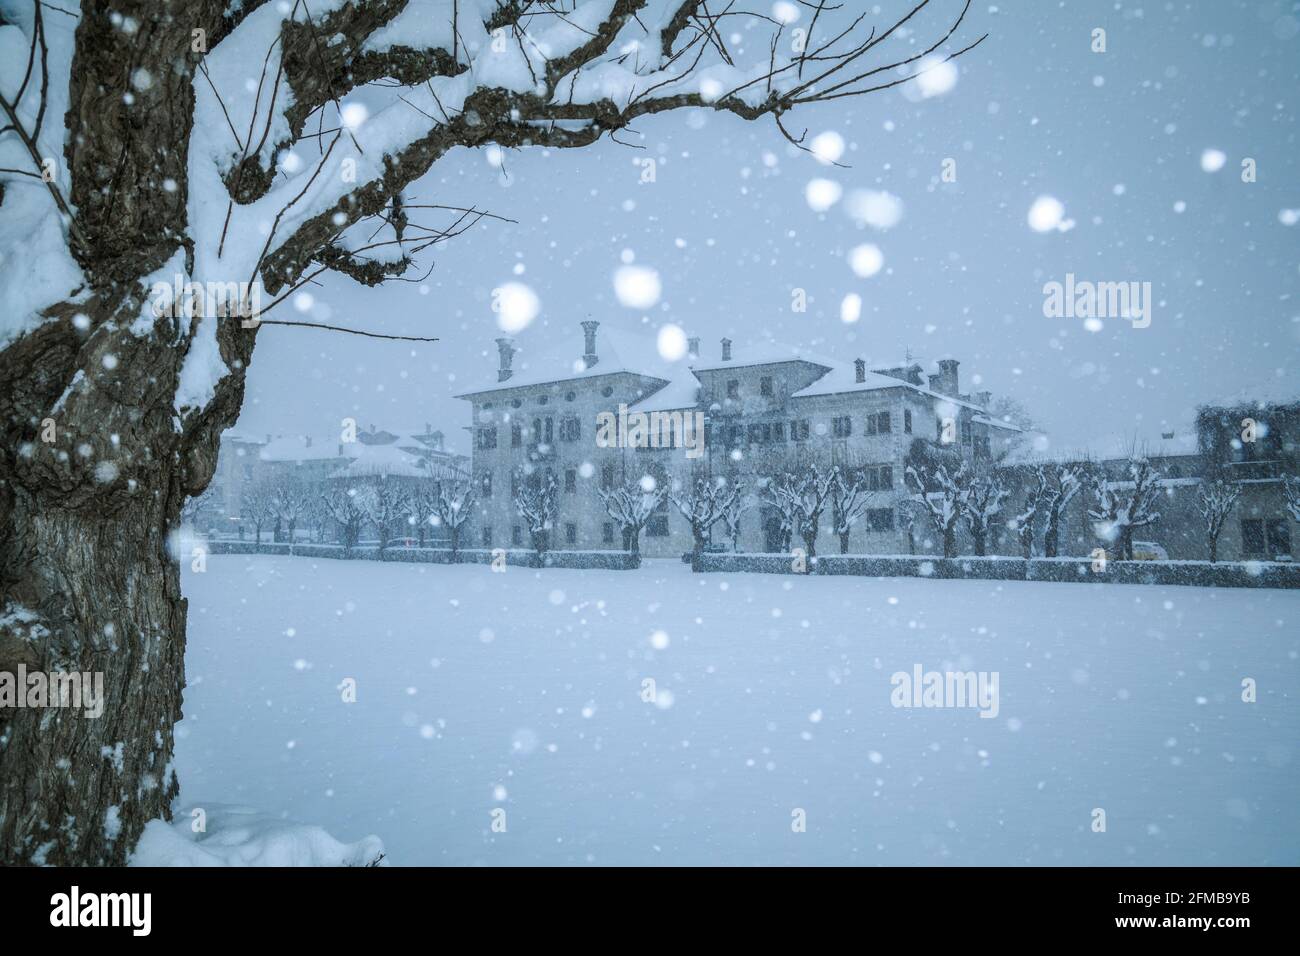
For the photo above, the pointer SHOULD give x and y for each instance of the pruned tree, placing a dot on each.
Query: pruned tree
(1037, 496)
(980, 506)
(140, 167)
(384, 499)
(1063, 483)
(801, 498)
(733, 512)
(292, 497)
(421, 506)
(257, 506)
(849, 502)
(453, 506)
(536, 502)
(939, 495)
(339, 501)
(703, 504)
(631, 505)
(199, 506)
(1119, 509)
(1215, 499)
(1291, 494)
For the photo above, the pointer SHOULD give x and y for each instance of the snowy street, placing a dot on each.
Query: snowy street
(524, 690)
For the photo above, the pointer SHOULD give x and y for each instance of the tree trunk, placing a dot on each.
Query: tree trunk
(844, 542)
(979, 538)
(1214, 548)
(949, 542)
(83, 538)
(1050, 535)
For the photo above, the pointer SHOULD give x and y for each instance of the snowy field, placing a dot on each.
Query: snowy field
(478, 690)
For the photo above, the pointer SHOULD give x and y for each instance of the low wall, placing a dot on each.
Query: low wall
(1224, 574)
(517, 557)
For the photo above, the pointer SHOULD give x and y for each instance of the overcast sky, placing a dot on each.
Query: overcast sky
(1118, 138)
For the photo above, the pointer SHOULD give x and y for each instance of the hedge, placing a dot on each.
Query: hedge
(519, 557)
(1224, 574)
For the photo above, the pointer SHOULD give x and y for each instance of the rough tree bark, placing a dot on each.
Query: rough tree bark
(84, 520)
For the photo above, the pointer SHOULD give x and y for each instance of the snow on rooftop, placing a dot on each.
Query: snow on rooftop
(299, 448)
(616, 350)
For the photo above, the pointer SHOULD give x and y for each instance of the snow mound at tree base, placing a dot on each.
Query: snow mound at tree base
(239, 836)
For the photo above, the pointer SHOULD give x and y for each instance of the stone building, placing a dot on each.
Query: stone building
(765, 409)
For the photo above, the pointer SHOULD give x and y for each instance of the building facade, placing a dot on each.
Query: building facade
(764, 410)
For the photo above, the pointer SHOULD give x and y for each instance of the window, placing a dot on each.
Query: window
(516, 535)
(842, 426)
(543, 399)
(516, 435)
(570, 533)
(778, 431)
(1279, 537)
(799, 429)
(765, 386)
(760, 433)
(907, 421)
(878, 477)
(984, 450)
(515, 403)
(966, 433)
(878, 423)
(485, 484)
(1252, 536)
(487, 536)
(486, 438)
(570, 480)
(607, 532)
(569, 396)
(248, 472)
(570, 428)
(607, 476)
(733, 389)
(880, 519)
(607, 391)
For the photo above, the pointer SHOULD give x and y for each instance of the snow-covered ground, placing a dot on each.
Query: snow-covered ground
(523, 691)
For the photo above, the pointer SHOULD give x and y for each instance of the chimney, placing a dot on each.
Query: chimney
(589, 357)
(859, 370)
(936, 383)
(693, 347)
(726, 350)
(948, 376)
(506, 349)
(982, 399)
(306, 441)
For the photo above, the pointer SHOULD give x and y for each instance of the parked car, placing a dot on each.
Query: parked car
(1149, 551)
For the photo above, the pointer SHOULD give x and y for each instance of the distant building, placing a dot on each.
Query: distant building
(244, 460)
(764, 408)
(1250, 441)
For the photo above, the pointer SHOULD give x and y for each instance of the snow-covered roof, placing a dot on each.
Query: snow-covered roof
(299, 448)
(380, 460)
(995, 423)
(1041, 450)
(842, 378)
(617, 351)
(761, 353)
(1268, 391)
